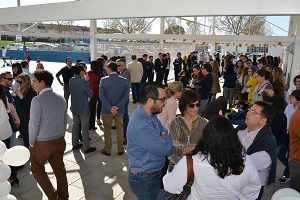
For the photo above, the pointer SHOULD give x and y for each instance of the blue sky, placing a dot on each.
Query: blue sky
(280, 21)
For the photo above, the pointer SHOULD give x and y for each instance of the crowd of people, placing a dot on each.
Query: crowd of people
(228, 163)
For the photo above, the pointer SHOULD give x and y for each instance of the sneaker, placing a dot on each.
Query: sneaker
(283, 179)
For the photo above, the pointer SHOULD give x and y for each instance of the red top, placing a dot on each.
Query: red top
(94, 81)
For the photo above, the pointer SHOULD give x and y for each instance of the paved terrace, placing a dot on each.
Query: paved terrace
(94, 176)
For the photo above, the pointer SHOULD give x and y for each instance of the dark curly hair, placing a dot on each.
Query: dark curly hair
(221, 146)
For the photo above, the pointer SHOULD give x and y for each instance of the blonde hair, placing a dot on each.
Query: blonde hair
(26, 82)
(173, 87)
(278, 75)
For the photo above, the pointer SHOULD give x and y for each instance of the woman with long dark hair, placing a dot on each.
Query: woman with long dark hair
(222, 170)
(229, 83)
(5, 127)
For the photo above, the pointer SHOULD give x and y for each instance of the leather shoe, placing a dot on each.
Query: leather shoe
(113, 127)
(121, 153)
(78, 146)
(93, 128)
(105, 153)
(91, 149)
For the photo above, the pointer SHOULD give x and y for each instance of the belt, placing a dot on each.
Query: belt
(138, 173)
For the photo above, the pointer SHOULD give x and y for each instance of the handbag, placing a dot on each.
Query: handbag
(164, 195)
(11, 120)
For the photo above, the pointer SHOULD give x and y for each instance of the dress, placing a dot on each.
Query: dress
(216, 84)
(209, 186)
(179, 131)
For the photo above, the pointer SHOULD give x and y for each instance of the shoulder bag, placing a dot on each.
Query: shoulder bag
(164, 195)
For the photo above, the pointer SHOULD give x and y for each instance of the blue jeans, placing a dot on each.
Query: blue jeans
(135, 89)
(145, 186)
(125, 118)
(281, 153)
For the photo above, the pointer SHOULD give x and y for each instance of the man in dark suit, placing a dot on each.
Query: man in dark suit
(114, 93)
(150, 69)
(177, 66)
(80, 92)
(159, 68)
(194, 58)
(144, 77)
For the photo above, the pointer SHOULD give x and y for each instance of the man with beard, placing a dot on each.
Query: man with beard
(148, 142)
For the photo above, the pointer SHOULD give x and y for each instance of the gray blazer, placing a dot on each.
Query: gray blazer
(114, 91)
(126, 74)
(80, 92)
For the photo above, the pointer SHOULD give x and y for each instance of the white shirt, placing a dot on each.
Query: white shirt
(209, 186)
(289, 111)
(261, 160)
(4, 53)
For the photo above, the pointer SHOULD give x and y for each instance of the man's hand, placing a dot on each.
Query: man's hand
(114, 110)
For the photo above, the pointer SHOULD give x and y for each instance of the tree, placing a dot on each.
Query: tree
(60, 27)
(175, 29)
(241, 25)
(128, 25)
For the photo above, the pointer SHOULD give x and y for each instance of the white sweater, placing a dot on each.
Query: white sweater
(136, 71)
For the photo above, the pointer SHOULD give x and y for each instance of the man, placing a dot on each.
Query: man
(279, 129)
(67, 73)
(194, 58)
(159, 68)
(148, 142)
(135, 69)
(47, 127)
(250, 65)
(167, 62)
(150, 69)
(177, 66)
(261, 63)
(4, 56)
(144, 77)
(80, 93)
(244, 58)
(205, 86)
(294, 132)
(25, 68)
(202, 58)
(121, 64)
(114, 93)
(260, 144)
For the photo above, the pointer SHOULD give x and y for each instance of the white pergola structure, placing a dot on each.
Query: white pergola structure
(114, 9)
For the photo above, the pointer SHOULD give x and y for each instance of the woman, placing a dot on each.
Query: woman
(16, 70)
(251, 83)
(222, 170)
(279, 88)
(187, 128)
(263, 77)
(39, 66)
(5, 128)
(216, 85)
(296, 86)
(173, 92)
(24, 96)
(238, 84)
(94, 80)
(197, 74)
(245, 79)
(229, 83)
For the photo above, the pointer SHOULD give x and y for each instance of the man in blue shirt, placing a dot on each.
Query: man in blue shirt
(148, 143)
(250, 64)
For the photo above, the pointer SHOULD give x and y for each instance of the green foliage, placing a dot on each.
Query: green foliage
(175, 29)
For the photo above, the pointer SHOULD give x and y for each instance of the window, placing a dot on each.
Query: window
(258, 49)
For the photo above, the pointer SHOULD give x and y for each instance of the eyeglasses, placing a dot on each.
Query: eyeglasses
(254, 112)
(9, 79)
(162, 99)
(20, 82)
(192, 105)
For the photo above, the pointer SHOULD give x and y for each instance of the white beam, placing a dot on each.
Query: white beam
(89, 9)
(93, 40)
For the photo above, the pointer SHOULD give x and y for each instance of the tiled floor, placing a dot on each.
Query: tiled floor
(94, 176)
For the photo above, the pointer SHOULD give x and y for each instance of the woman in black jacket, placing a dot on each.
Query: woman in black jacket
(24, 95)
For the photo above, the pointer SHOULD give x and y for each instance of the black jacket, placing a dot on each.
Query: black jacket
(264, 141)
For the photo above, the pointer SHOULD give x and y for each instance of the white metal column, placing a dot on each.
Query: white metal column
(295, 68)
(93, 40)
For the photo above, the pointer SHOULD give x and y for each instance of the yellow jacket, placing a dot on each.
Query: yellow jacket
(251, 83)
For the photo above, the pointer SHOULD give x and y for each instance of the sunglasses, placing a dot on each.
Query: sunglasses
(20, 82)
(10, 79)
(192, 105)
